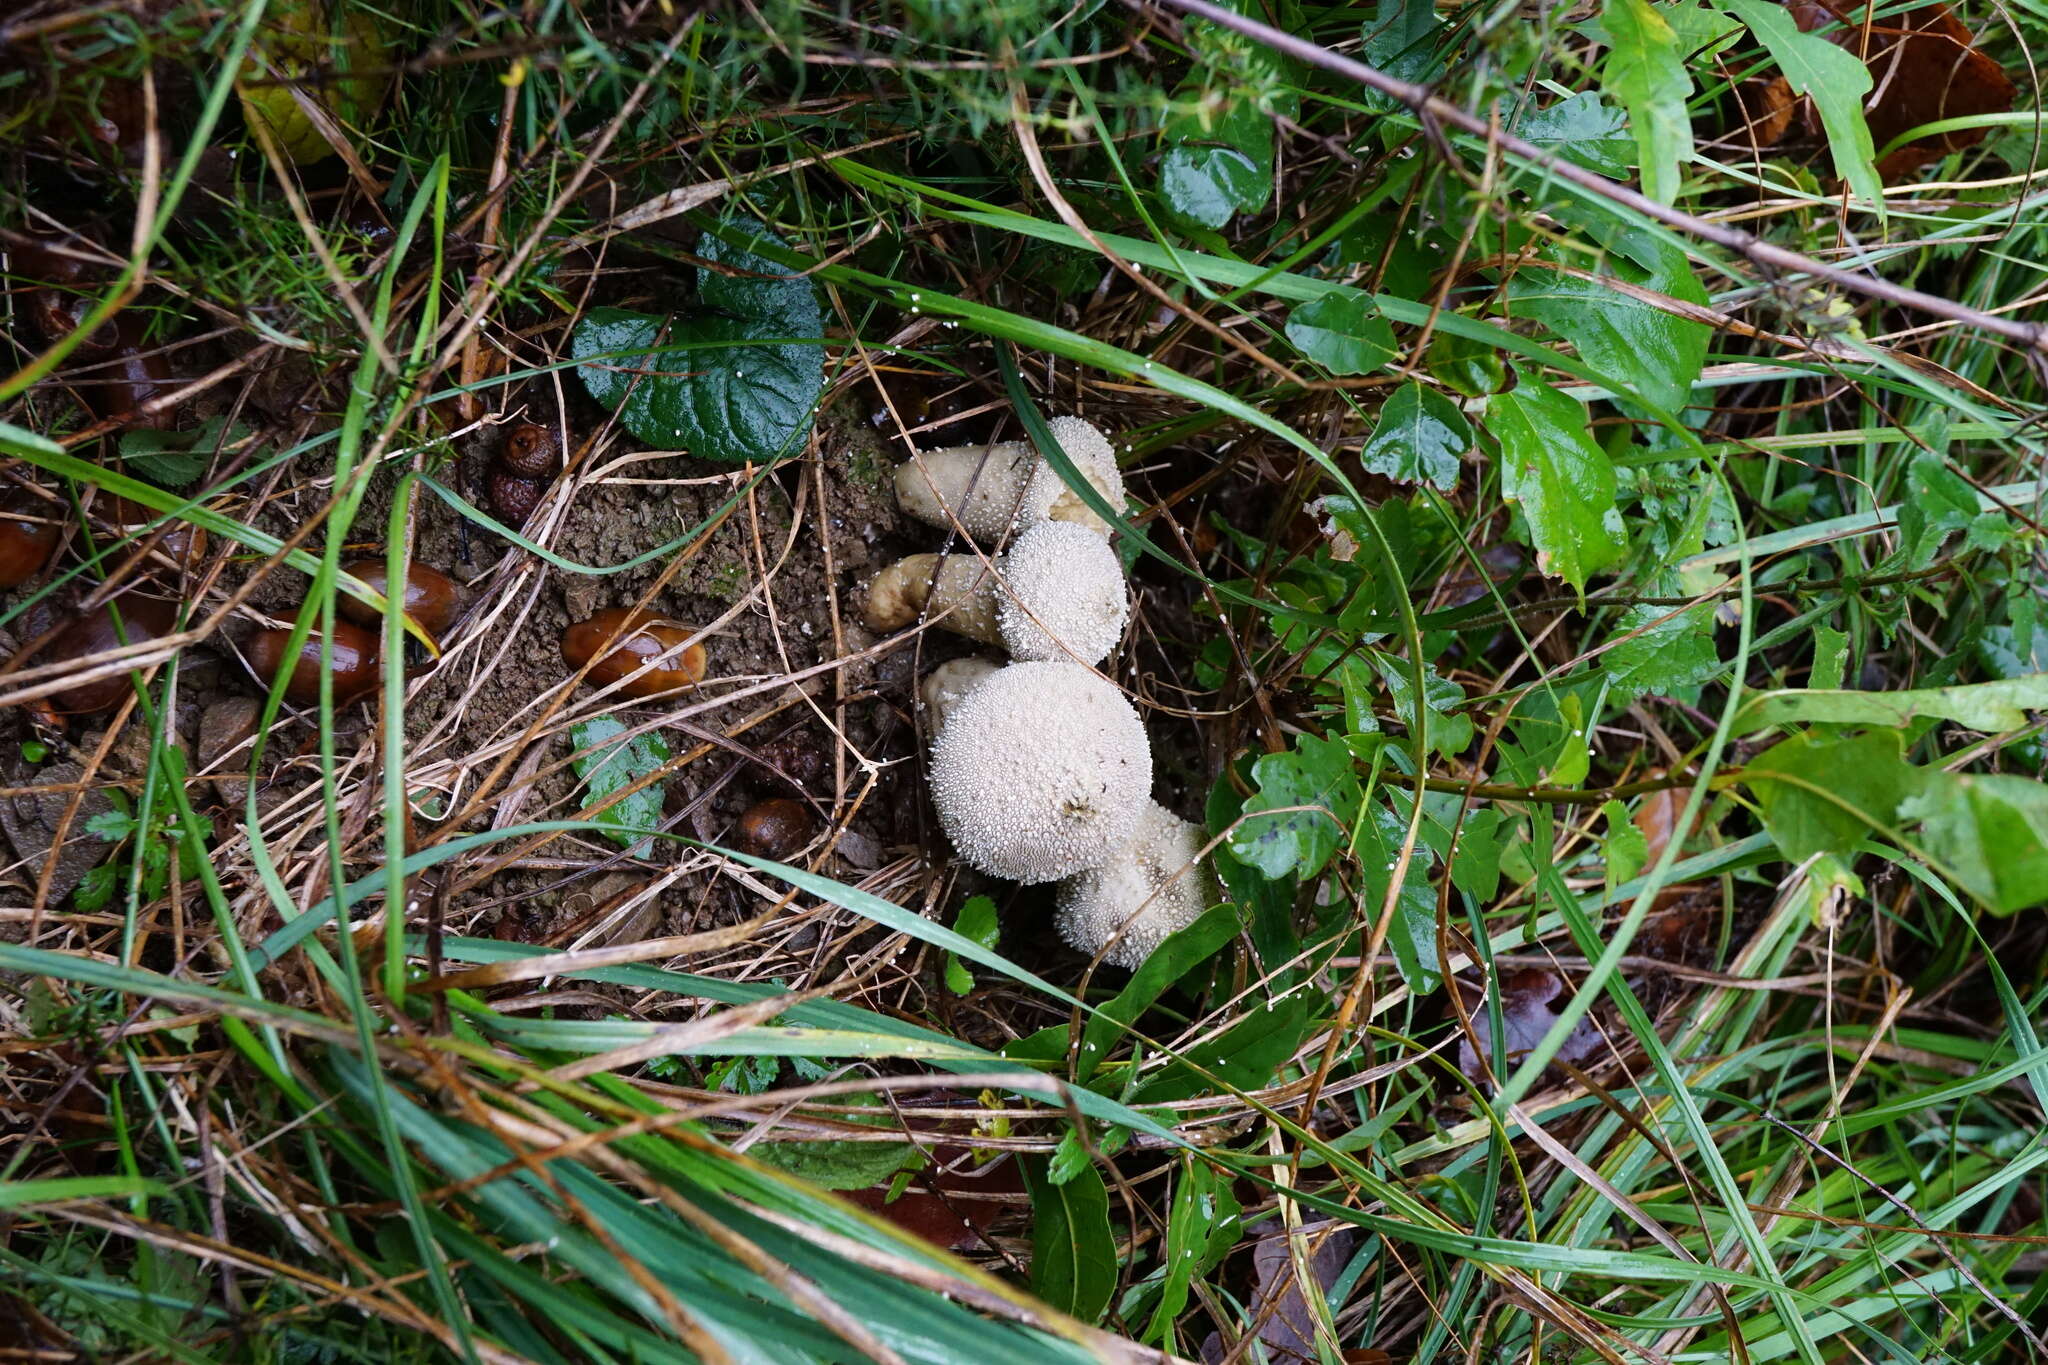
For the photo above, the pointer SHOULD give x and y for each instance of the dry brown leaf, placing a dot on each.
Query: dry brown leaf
(1925, 67)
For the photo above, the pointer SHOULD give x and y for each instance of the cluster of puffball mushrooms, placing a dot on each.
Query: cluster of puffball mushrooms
(1040, 768)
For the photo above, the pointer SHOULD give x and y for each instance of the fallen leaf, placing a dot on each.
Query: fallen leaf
(1925, 67)
(951, 1203)
(1767, 107)
(1530, 999)
(1287, 1323)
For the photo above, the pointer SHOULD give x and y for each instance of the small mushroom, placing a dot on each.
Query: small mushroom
(1124, 909)
(1041, 771)
(993, 489)
(1057, 594)
(946, 686)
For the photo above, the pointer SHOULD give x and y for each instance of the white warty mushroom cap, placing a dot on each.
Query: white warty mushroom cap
(1061, 595)
(1042, 771)
(1048, 495)
(1095, 903)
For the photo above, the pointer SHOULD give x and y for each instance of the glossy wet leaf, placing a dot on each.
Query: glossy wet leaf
(1645, 73)
(1202, 1225)
(1343, 332)
(1560, 481)
(1654, 352)
(977, 922)
(1073, 1249)
(1315, 778)
(1420, 438)
(613, 763)
(1584, 128)
(1661, 650)
(737, 378)
(1833, 79)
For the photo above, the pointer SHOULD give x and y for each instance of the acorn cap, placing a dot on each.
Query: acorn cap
(1062, 595)
(1041, 771)
(1152, 887)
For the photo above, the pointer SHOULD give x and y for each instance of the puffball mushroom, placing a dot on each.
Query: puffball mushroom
(1152, 887)
(1057, 594)
(946, 686)
(1042, 770)
(995, 488)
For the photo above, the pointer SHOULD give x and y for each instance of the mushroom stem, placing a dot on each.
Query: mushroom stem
(991, 490)
(956, 591)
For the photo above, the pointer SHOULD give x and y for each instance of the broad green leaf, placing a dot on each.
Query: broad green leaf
(1420, 438)
(1400, 39)
(841, 1164)
(1987, 706)
(1412, 935)
(1585, 129)
(1835, 80)
(1562, 483)
(608, 766)
(1661, 650)
(1202, 1226)
(1343, 332)
(976, 922)
(1645, 72)
(1181, 953)
(1317, 778)
(1990, 831)
(1210, 184)
(737, 379)
(1655, 353)
(1448, 731)
(1822, 794)
(1938, 501)
(1073, 1248)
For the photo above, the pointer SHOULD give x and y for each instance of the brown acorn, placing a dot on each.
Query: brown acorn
(28, 536)
(141, 618)
(530, 451)
(641, 637)
(354, 669)
(432, 598)
(512, 498)
(136, 373)
(774, 828)
(180, 540)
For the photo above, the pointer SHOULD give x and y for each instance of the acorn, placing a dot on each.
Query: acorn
(432, 598)
(28, 536)
(512, 498)
(775, 828)
(530, 451)
(636, 638)
(141, 619)
(136, 373)
(179, 540)
(354, 668)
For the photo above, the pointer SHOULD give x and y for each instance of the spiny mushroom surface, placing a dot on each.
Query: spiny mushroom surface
(1058, 593)
(993, 489)
(1042, 770)
(1156, 882)
(1062, 595)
